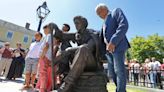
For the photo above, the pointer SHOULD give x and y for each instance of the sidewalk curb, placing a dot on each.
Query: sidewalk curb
(145, 89)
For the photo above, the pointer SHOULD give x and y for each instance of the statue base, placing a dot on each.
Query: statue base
(91, 82)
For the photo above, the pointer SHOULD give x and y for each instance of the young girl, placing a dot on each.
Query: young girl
(45, 71)
(45, 61)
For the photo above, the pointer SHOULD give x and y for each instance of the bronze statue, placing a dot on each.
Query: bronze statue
(86, 73)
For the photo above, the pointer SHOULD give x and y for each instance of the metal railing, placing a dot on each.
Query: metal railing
(145, 78)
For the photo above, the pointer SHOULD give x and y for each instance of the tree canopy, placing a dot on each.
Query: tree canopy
(142, 48)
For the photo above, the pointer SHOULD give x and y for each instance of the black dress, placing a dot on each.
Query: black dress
(17, 65)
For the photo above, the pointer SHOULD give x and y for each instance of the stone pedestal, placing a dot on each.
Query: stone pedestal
(91, 82)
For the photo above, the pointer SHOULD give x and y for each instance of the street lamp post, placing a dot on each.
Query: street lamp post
(42, 12)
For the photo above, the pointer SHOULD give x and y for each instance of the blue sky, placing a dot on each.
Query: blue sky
(145, 17)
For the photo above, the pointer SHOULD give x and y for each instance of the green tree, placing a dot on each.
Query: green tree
(142, 48)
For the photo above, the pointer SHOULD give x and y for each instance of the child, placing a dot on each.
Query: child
(31, 61)
(45, 79)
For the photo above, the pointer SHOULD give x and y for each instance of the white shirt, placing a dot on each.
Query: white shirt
(132, 67)
(156, 66)
(47, 40)
(151, 65)
(34, 50)
(104, 29)
(136, 68)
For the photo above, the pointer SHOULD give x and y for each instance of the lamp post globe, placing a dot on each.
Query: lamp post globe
(42, 12)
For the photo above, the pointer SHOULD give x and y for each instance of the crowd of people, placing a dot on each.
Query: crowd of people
(35, 61)
(151, 72)
(12, 61)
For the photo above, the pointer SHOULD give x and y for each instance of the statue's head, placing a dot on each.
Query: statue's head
(56, 31)
(81, 23)
(53, 26)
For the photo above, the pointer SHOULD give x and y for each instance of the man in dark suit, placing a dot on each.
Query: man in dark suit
(114, 36)
(64, 68)
(65, 44)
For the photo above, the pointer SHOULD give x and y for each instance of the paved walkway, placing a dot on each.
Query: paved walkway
(16, 85)
(12, 85)
(145, 89)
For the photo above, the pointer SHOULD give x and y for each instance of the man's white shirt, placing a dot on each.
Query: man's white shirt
(34, 50)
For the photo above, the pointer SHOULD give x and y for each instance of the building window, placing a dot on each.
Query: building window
(33, 39)
(9, 35)
(25, 40)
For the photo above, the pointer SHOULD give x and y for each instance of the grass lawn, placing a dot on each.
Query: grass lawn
(111, 88)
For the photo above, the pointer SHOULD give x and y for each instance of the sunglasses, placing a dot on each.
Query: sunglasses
(7, 45)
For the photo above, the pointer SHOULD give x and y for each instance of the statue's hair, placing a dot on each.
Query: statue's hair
(82, 19)
(101, 5)
(53, 26)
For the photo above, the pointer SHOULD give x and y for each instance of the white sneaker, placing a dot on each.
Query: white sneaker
(54, 91)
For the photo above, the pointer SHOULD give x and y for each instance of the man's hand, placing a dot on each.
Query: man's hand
(110, 47)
